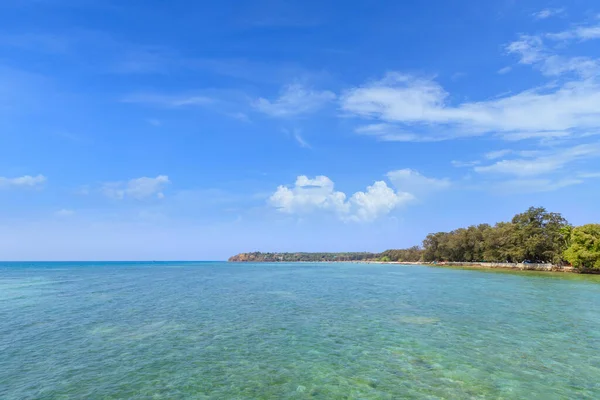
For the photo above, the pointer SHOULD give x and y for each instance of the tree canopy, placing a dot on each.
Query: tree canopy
(535, 235)
(584, 247)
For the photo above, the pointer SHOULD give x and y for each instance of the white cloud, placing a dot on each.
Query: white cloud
(294, 100)
(580, 33)
(542, 164)
(589, 175)
(377, 201)
(532, 51)
(403, 102)
(296, 134)
(413, 182)
(463, 164)
(388, 133)
(548, 12)
(403, 107)
(397, 97)
(554, 65)
(168, 101)
(530, 48)
(301, 141)
(505, 70)
(542, 135)
(26, 181)
(318, 194)
(240, 116)
(533, 185)
(139, 188)
(492, 155)
(64, 213)
(522, 167)
(308, 195)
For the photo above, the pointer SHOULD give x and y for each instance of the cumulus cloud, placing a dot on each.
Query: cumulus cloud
(26, 181)
(318, 194)
(308, 195)
(294, 100)
(139, 188)
(376, 201)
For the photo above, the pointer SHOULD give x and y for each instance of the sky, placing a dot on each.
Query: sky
(195, 130)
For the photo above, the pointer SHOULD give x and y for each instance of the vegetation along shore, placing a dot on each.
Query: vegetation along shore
(533, 240)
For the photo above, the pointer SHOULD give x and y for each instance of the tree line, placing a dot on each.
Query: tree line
(535, 236)
(303, 257)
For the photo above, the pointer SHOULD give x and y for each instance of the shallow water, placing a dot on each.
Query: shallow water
(295, 331)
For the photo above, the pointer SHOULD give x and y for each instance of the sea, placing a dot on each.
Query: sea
(216, 330)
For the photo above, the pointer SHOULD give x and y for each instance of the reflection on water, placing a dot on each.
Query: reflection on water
(297, 331)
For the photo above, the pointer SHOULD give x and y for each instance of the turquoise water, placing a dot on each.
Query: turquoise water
(295, 331)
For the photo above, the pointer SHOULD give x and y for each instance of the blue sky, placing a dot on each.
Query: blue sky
(197, 130)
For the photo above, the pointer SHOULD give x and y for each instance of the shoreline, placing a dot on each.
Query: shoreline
(491, 266)
(470, 265)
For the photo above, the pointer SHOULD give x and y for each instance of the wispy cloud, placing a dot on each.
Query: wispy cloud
(99, 51)
(589, 175)
(406, 107)
(410, 104)
(513, 186)
(168, 101)
(548, 12)
(139, 188)
(464, 164)
(547, 163)
(294, 100)
(579, 33)
(409, 180)
(64, 213)
(45, 43)
(26, 181)
(386, 132)
(296, 134)
(492, 155)
(532, 51)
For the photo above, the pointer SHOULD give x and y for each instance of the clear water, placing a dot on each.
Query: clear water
(295, 331)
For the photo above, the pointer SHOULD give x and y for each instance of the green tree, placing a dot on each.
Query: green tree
(538, 235)
(584, 249)
(500, 244)
(434, 247)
